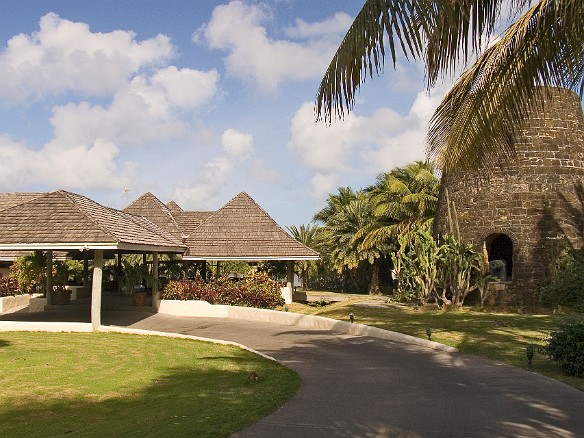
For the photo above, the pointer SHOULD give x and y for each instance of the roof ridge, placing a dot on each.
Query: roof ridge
(70, 196)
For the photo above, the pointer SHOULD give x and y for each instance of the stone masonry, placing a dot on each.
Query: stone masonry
(529, 206)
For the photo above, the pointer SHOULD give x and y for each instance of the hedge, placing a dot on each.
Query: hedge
(253, 291)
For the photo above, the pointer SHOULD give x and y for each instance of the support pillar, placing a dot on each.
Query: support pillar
(291, 273)
(218, 270)
(204, 270)
(96, 290)
(155, 291)
(49, 274)
(85, 268)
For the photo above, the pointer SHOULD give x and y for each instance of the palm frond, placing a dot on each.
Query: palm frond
(477, 122)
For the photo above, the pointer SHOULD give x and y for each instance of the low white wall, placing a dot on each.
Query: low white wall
(204, 309)
(9, 303)
(78, 292)
(37, 304)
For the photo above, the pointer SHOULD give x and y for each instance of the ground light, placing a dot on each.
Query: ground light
(429, 332)
(352, 317)
(529, 353)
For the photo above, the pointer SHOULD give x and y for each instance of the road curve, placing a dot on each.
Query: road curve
(364, 387)
(357, 386)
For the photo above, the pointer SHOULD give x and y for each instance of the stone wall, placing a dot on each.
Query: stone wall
(536, 199)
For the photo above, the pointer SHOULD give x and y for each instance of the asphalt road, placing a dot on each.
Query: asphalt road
(364, 387)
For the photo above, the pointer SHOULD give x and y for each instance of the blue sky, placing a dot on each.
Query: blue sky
(194, 101)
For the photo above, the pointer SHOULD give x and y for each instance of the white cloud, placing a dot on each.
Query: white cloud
(322, 184)
(203, 191)
(358, 144)
(255, 57)
(79, 166)
(335, 25)
(264, 173)
(66, 56)
(237, 144)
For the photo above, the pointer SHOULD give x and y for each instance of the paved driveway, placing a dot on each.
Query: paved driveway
(365, 387)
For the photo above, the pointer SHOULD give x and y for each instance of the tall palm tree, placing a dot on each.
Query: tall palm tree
(402, 198)
(342, 245)
(477, 122)
(335, 202)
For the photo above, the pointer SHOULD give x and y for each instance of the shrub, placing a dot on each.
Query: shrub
(253, 291)
(9, 286)
(566, 286)
(566, 346)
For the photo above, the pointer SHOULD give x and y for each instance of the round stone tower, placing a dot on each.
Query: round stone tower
(525, 210)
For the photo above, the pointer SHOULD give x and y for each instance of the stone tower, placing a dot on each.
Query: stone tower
(523, 212)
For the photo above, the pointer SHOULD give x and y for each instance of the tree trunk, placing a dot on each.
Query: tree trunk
(374, 282)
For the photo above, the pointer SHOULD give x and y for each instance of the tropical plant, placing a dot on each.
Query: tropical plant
(418, 260)
(476, 123)
(307, 235)
(134, 275)
(460, 265)
(30, 272)
(566, 346)
(345, 245)
(401, 199)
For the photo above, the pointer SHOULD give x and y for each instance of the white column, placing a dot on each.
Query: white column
(155, 291)
(49, 273)
(96, 290)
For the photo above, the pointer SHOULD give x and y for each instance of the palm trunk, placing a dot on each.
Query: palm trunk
(374, 282)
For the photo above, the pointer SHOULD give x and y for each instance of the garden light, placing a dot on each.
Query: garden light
(429, 332)
(529, 353)
(352, 317)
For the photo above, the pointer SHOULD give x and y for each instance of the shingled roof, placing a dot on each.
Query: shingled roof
(8, 200)
(64, 220)
(150, 207)
(242, 230)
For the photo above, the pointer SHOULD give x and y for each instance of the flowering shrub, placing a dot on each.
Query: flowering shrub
(8, 286)
(253, 291)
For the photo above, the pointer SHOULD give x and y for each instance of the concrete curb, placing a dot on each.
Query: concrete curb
(84, 327)
(204, 309)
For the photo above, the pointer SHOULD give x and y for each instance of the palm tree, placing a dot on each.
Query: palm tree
(307, 235)
(336, 202)
(476, 123)
(342, 245)
(401, 199)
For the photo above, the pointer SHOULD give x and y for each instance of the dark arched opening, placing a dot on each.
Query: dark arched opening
(500, 247)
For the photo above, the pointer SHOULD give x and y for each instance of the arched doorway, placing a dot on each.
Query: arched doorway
(499, 246)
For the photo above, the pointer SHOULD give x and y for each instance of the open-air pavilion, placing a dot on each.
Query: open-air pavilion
(64, 221)
(240, 231)
(61, 222)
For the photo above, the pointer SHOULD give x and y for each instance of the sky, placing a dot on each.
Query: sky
(195, 101)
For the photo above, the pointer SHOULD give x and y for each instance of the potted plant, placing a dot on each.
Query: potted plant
(135, 274)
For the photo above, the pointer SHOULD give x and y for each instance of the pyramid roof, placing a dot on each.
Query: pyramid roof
(64, 220)
(242, 230)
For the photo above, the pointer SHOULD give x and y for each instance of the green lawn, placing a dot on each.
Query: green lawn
(98, 384)
(499, 336)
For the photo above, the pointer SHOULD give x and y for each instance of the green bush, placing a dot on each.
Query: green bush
(566, 286)
(566, 346)
(253, 291)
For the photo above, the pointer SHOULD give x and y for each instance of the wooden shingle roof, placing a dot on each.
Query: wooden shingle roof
(8, 200)
(64, 220)
(242, 230)
(150, 207)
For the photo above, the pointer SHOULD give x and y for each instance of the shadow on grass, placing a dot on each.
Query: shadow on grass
(4, 343)
(185, 402)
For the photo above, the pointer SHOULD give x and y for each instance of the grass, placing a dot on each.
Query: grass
(98, 384)
(498, 336)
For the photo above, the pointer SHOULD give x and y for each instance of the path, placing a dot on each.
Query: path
(365, 387)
